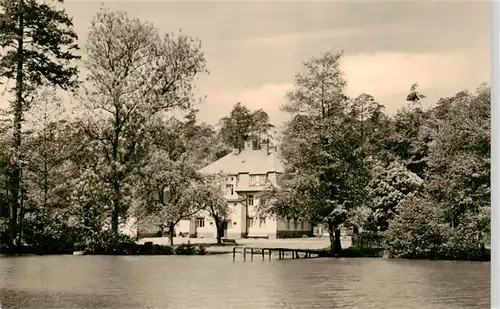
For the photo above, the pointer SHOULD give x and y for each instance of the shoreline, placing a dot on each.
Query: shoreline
(207, 246)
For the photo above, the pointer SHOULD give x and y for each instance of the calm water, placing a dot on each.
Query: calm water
(216, 282)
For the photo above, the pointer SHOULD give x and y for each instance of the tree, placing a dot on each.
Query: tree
(50, 143)
(418, 230)
(4, 170)
(325, 173)
(236, 128)
(212, 194)
(167, 192)
(388, 187)
(459, 155)
(38, 45)
(452, 218)
(261, 127)
(201, 142)
(135, 77)
(372, 124)
(407, 143)
(89, 202)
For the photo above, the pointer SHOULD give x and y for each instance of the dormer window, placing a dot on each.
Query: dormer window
(258, 180)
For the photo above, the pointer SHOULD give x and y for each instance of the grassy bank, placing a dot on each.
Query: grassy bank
(207, 246)
(147, 248)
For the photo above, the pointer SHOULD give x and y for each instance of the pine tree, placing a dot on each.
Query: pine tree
(37, 48)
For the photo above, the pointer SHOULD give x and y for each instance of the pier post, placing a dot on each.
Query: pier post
(244, 253)
(234, 253)
(262, 252)
(269, 254)
(251, 254)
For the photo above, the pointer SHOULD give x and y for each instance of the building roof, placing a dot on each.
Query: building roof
(247, 161)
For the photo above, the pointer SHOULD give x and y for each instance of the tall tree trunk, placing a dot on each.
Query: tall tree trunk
(18, 116)
(338, 245)
(335, 244)
(116, 183)
(21, 216)
(331, 233)
(219, 225)
(171, 227)
(116, 209)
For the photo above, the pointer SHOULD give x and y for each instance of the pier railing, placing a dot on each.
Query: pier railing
(281, 253)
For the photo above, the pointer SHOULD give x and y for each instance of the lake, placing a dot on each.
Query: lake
(135, 282)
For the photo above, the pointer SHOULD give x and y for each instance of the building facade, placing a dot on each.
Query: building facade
(249, 173)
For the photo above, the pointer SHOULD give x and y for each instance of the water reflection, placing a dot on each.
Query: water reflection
(216, 282)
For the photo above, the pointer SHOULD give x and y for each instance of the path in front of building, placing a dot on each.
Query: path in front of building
(292, 243)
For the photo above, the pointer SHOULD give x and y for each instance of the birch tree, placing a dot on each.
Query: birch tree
(212, 194)
(135, 77)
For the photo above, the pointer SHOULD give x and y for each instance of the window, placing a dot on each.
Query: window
(258, 180)
(288, 224)
(200, 222)
(262, 222)
(302, 225)
(229, 189)
(295, 224)
(249, 222)
(250, 200)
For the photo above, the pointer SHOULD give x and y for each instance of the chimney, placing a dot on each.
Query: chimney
(248, 145)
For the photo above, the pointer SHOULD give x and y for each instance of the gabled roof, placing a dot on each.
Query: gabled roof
(247, 161)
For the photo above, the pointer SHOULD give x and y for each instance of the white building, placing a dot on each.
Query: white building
(248, 173)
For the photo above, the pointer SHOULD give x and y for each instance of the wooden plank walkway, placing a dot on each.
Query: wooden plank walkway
(282, 253)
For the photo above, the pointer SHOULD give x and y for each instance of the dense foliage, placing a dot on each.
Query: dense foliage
(419, 179)
(38, 47)
(242, 125)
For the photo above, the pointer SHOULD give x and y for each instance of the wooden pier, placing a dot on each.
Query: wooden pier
(282, 253)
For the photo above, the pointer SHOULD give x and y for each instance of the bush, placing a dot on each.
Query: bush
(468, 239)
(107, 242)
(201, 250)
(186, 249)
(417, 231)
(50, 238)
(162, 250)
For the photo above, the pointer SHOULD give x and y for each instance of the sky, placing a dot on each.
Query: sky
(254, 49)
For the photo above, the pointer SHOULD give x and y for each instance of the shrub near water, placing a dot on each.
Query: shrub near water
(467, 240)
(417, 231)
(420, 231)
(188, 249)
